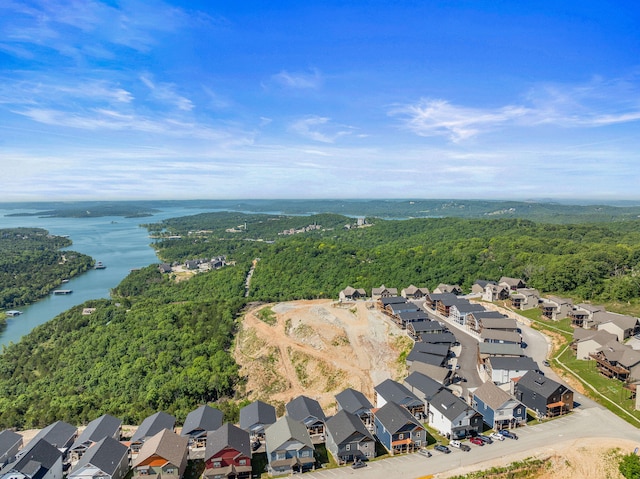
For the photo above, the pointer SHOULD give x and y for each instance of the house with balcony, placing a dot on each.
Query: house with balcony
(104, 426)
(162, 456)
(107, 458)
(498, 408)
(196, 426)
(524, 299)
(227, 453)
(544, 396)
(256, 417)
(392, 391)
(348, 439)
(413, 292)
(354, 402)
(10, 444)
(556, 308)
(452, 417)
(310, 413)
(289, 447)
(398, 430)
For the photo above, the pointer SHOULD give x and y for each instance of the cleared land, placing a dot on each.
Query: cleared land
(317, 348)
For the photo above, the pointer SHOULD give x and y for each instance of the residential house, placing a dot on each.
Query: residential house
(430, 353)
(478, 286)
(620, 361)
(256, 417)
(555, 308)
(107, 458)
(59, 434)
(150, 426)
(289, 447)
(39, 461)
(348, 439)
(197, 424)
(498, 408)
(434, 301)
(480, 321)
(352, 294)
(228, 453)
(587, 342)
(395, 309)
(445, 303)
(413, 292)
(461, 309)
(383, 292)
(392, 391)
(446, 337)
(622, 326)
(398, 430)
(453, 417)
(104, 426)
(441, 374)
(354, 402)
(512, 284)
(502, 370)
(582, 315)
(164, 268)
(10, 444)
(495, 292)
(525, 298)
(308, 411)
(162, 456)
(423, 387)
(448, 288)
(416, 329)
(406, 317)
(499, 336)
(542, 395)
(487, 350)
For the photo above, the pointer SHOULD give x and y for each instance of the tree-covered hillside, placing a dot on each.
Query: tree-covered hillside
(32, 264)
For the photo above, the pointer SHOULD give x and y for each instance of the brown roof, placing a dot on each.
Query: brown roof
(167, 445)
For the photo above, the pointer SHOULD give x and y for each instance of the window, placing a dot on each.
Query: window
(217, 464)
(242, 462)
(170, 470)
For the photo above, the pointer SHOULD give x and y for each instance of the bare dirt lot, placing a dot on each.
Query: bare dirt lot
(317, 348)
(576, 459)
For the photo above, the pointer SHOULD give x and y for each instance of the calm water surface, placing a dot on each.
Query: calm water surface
(119, 243)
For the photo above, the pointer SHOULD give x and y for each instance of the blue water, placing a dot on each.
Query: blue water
(119, 243)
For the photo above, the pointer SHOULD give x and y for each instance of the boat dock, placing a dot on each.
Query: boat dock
(62, 291)
(13, 313)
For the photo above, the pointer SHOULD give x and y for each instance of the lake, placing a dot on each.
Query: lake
(119, 243)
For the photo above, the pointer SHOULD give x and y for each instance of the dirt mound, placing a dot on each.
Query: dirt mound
(317, 348)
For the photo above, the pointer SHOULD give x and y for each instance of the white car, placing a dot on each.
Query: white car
(496, 436)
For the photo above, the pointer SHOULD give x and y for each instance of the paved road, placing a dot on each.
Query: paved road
(585, 422)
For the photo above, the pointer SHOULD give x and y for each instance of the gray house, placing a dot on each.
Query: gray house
(391, 391)
(498, 408)
(198, 422)
(543, 395)
(348, 439)
(502, 370)
(289, 447)
(59, 434)
(256, 417)
(106, 459)
(151, 426)
(10, 444)
(40, 460)
(354, 402)
(398, 430)
(308, 411)
(423, 386)
(96, 430)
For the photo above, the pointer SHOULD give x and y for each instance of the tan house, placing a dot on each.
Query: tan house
(589, 344)
(163, 456)
(383, 292)
(512, 284)
(352, 294)
(555, 308)
(525, 298)
(622, 326)
(413, 292)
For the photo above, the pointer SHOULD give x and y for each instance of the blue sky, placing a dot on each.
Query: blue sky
(332, 99)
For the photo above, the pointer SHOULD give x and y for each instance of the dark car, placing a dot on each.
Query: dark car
(477, 441)
(485, 439)
(509, 434)
(255, 445)
(441, 448)
(358, 465)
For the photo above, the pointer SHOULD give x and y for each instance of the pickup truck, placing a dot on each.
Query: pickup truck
(459, 445)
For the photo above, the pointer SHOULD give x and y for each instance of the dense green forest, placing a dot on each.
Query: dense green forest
(32, 264)
(159, 344)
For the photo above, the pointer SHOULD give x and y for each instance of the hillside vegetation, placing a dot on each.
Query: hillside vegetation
(165, 345)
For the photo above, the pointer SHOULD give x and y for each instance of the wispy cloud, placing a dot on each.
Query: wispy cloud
(318, 128)
(166, 93)
(594, 104)
(298, 80)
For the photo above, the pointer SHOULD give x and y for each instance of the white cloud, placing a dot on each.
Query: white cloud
(298, 80)
(318, 128)
(165, 92)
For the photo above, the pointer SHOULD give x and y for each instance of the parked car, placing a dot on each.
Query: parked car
(424, 452)
(477, 441)
(546, 363)
(441, 448)
(358, 464)
(255, 445)
(509, 434)
(459, 445)
(485, 439)
(496, 436)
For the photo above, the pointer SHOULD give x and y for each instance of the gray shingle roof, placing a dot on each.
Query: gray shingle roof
(283, 431)
(303, 407)
(436, 349)
(205, 418)
(59, 434)
(104, 426)
(393, 391)
(227, 436)
(8, 442)
(257, 413)
(344, 425)
(352, 401)
(501, 349)
(40, 457)
(394, 417)
(427, 387)
(534, 381)
(523, 363)
(450, 405)
(434, 338)
(165, 444)
(492, 395)
(153, 425)
(106, 455)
